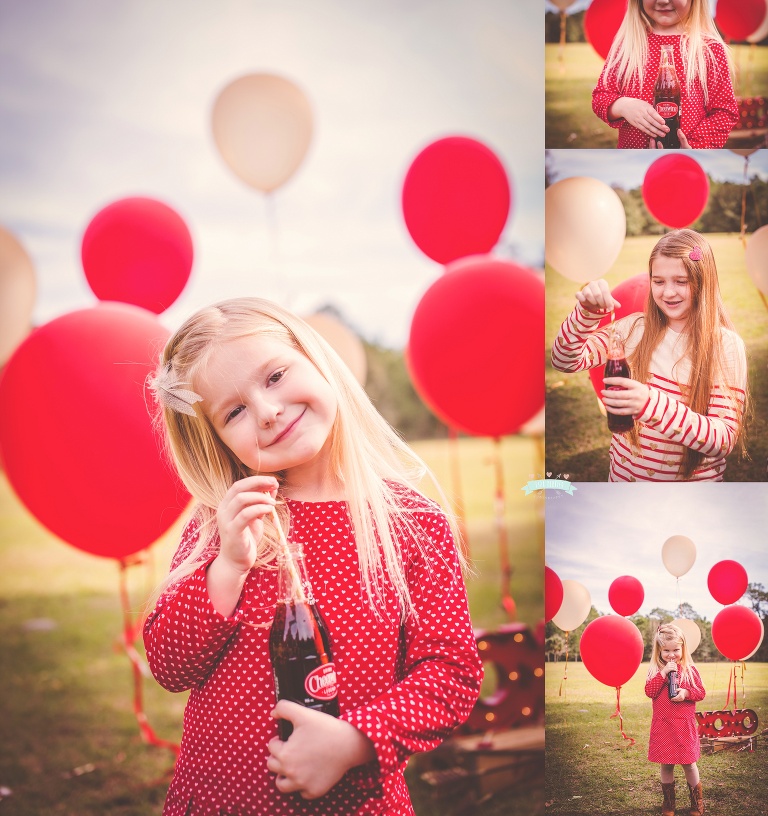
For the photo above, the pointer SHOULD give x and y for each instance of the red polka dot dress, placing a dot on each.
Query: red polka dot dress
(706, 126)
(674, 736)
(405, 686)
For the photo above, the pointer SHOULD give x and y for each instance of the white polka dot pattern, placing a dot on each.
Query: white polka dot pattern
(406, 687)
(674, 736)
(705, 126)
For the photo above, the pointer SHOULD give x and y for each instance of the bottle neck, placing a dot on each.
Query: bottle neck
(292, 579)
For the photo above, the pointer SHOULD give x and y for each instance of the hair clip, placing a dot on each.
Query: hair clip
(173, 396)
(695, 254)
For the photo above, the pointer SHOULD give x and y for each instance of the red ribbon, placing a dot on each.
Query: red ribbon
(507, 601)
(618, 714)
(565, 668)
(131, 632)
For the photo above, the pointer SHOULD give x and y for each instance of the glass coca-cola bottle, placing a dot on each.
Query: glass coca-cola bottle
(617, 366)
(299, 644)
(666, 98)
(673, 687)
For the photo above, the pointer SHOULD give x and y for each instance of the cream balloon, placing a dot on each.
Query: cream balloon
(744, 151)
(17, 294)
(678, 554)
(756, 258)
(585, 227)
(343, 341)
(762, 30)
(691, 631)
(759, 642)
(262, 126)
(575, 606)
(562, 4)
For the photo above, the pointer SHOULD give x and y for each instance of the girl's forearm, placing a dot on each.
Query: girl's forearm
(225, 585)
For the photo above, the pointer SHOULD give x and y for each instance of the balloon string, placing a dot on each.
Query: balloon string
(743, 691)
(499, 505)
(618, 714)
(743, 234)
(277, 271)
(458, 495)
(561, 50)
(728, 697)
(565, 671)
(131, 631)
(762, 297)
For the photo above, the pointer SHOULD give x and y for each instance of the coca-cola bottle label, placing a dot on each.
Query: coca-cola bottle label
(667, 110)
(320, 683)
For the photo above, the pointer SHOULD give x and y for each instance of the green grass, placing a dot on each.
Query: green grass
(572, 72)
(591, 769)
(577, 437)
(71, 744)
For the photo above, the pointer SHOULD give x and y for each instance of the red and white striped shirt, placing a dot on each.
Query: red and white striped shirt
(666, 424)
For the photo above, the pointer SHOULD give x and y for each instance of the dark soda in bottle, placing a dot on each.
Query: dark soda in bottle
(616, 366)
(673, 687)
(299, 644)
(666, 98)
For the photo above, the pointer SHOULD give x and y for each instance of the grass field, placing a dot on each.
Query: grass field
(71, 743)
(577, 438)
(591, 769)
(572, 72)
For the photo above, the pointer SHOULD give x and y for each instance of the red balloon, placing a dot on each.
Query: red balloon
(76, 435)
(139, 251)
(738, 19)
(727, 581)
(625, 595)
(675, 190)
(612, 649)
(632, 294)
(473, 352)
(553, 593)
(456, 199)
(736, 632)
(601, 22)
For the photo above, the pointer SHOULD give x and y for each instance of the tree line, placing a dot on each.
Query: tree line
(756, 595)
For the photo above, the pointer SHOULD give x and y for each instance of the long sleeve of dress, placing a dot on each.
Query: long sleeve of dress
(693, 685)
(441, 669)
(654, 685)
(184, 636)
(721, 110)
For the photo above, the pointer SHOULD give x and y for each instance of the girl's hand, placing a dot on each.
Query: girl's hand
(318, 753)
(654, 145)
(670, 667)
(626, 397)
(596, 296)
(639, 114)
(679, 697)
(240, 520)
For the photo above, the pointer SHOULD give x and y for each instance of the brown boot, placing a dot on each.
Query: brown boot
(697, 800)
(668, 808)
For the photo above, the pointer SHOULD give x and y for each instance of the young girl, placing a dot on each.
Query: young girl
(260, 413)
(674, 736)
(688, 394)
(623, 97)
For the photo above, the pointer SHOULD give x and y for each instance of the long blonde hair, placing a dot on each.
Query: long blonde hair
(703, 336)
(367, 455)
(669, 633)
(629, 51)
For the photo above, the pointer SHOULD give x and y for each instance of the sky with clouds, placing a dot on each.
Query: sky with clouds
(607, 530)
(99, 101)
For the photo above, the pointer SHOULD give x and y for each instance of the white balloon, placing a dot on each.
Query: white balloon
(756, 258)
(585, 226)
(575, 606)
(759, 642)
(691, 631)
(761, 32)
(678, 554)
(262, 126)
(343, 341)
